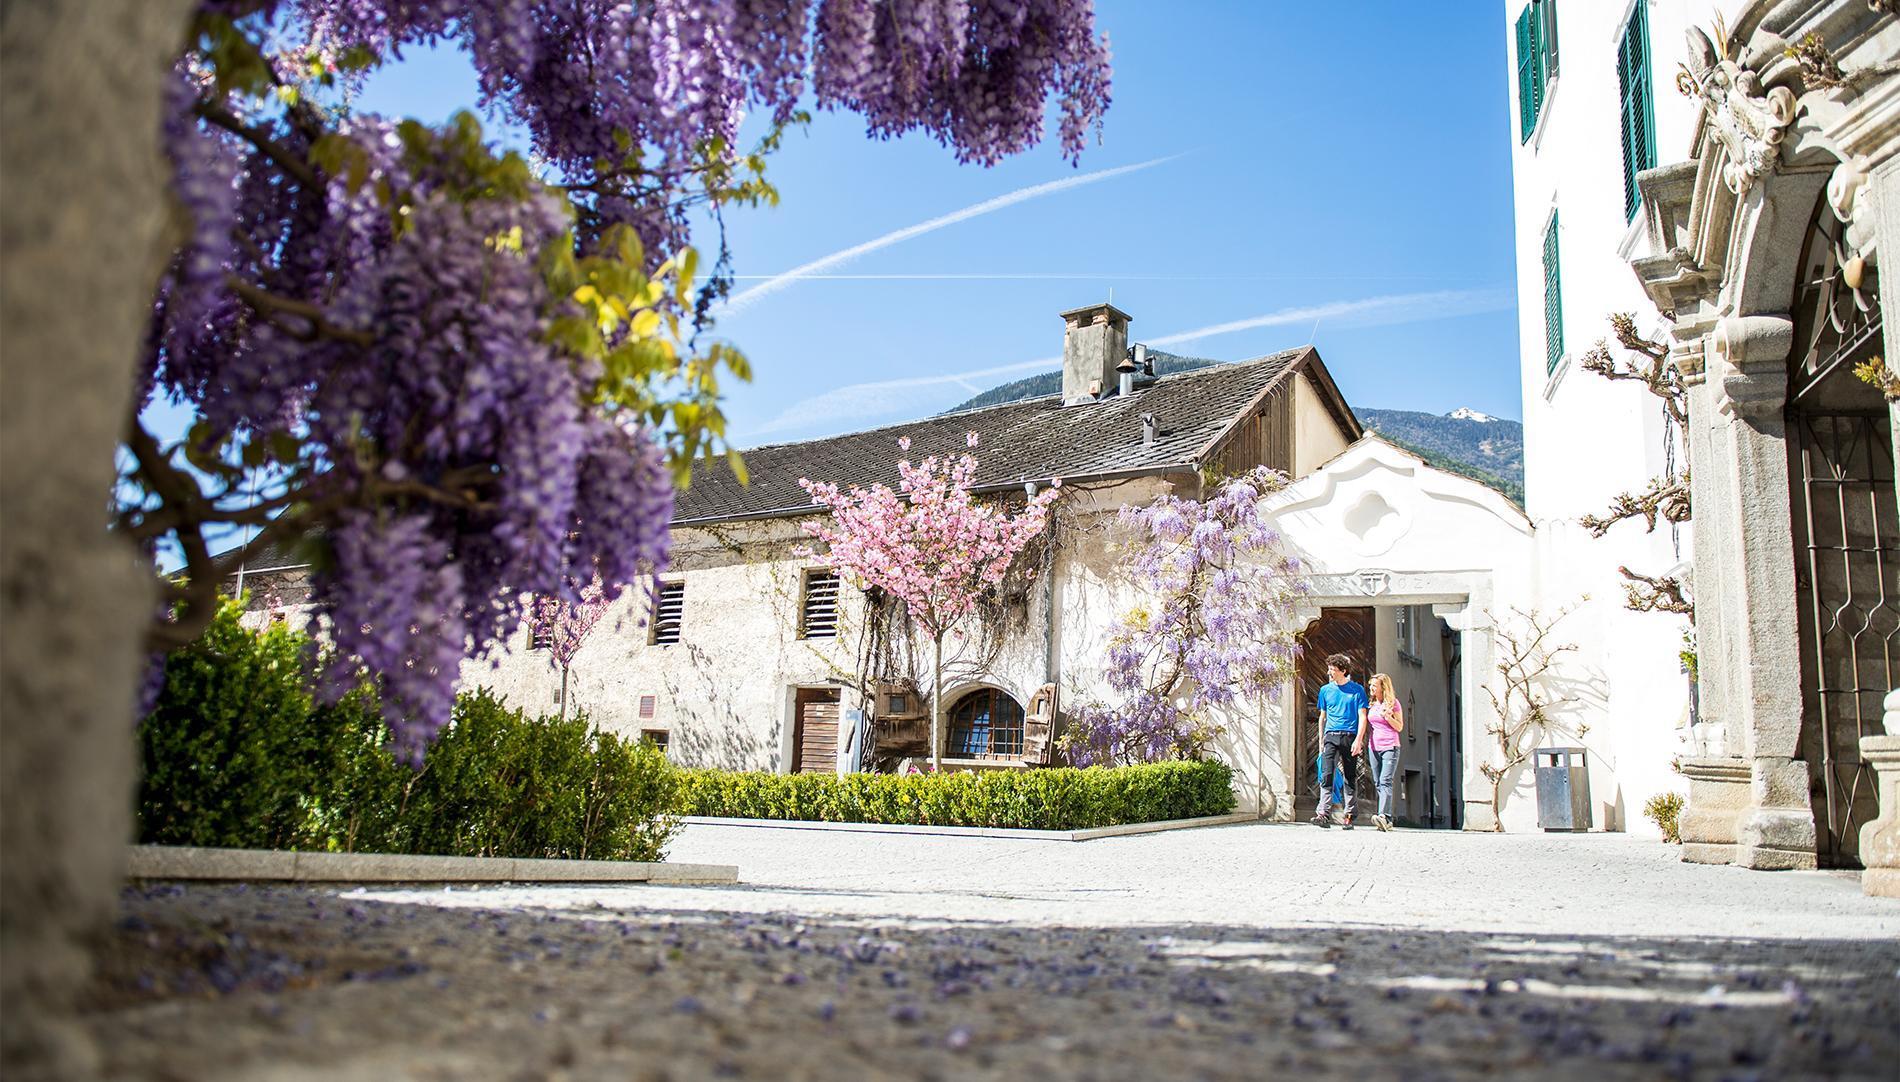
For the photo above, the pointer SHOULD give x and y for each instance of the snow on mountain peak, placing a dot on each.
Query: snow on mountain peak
(1466, 413)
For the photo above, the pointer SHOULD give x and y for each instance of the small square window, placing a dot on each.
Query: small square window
(656, 737)
(898, 703)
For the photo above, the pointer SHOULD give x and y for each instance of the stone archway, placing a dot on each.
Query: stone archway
(1846, 536)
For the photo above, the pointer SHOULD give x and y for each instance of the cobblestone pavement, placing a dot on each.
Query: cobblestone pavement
(1238, 952)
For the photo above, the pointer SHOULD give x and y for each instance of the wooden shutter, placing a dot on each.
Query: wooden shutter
(669, 611)
(1553, 299)
(818, 615)
(1638, 106)
(815, 731)
(1527, 74)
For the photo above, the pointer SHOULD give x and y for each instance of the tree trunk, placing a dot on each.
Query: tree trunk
(81, 229)
(563, 693)
(936, 703)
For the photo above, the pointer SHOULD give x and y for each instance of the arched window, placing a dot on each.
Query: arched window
(986, 724)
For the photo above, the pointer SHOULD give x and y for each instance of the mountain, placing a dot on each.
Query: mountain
(1487, 449)
(1043, 383)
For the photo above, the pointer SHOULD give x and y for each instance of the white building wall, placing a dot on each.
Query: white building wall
(1587, 439)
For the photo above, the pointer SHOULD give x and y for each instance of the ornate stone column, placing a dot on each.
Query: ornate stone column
(1717, 773)
(1747, 378)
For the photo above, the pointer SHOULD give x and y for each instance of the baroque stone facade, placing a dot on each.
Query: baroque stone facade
(1764, 262)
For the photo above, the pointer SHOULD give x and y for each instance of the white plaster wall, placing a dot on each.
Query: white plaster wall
(1587, 439)
(1316, 436)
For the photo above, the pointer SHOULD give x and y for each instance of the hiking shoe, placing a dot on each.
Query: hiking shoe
(1347, 825)
(1321, 821)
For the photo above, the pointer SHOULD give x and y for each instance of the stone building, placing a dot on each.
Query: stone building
(750, 656)
(753, 657)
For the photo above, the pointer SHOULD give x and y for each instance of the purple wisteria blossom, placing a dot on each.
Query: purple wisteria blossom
(459, 379)
(1218, 631)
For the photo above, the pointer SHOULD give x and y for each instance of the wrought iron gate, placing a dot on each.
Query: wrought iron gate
(1845, 542)
(1846, 536)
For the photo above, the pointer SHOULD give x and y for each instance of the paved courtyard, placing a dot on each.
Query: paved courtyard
(1235, 952)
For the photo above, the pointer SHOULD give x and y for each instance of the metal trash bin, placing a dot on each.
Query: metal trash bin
(1563, 789)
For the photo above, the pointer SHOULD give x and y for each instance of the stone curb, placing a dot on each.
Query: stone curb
(284, 866)
(1090, 834)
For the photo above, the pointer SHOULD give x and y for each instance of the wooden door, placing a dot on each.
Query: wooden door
(815, 731)
(1337, 631)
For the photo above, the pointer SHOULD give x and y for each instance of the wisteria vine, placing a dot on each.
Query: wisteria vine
(462, 379)
(1218, 631)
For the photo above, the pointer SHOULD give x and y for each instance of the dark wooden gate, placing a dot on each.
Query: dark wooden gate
(815, 731)
(1346, 631)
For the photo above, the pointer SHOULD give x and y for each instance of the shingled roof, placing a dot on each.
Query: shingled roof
(1034, 439)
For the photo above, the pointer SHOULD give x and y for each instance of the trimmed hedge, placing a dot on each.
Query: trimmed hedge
(237, 754)
(1062, 798)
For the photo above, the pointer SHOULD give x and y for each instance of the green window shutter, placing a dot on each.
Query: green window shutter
(1526, 78)
(1553, 299)
(1638, 106)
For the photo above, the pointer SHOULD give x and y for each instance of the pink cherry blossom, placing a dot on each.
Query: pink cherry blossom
(929, 543)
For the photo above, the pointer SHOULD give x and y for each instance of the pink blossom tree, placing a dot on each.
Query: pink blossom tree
(563, 625)
(930, 543)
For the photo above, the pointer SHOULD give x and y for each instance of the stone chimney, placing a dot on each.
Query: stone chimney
(1094, 341)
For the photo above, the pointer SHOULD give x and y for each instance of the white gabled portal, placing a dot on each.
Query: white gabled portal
(1377, 527)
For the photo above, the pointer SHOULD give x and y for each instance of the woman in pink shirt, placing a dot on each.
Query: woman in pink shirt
(1385, 721)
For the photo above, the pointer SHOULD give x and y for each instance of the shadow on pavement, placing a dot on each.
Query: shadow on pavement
(223, 982)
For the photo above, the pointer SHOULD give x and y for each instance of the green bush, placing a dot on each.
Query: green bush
(1662, 809)
(1056, 799)
(237, 754)
(229, 758)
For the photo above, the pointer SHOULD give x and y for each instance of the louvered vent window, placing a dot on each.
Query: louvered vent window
(818, 617)
(669, 608)
(646, 706)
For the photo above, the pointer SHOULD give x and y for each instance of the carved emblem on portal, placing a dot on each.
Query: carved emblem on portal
(1374, 583)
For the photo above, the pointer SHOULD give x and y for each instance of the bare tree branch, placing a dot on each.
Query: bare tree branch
(1654, 372)
(1667, 498)
(1525, 657)
(1659, 593)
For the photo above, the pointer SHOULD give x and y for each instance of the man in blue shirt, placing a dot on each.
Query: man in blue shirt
(1342, 720)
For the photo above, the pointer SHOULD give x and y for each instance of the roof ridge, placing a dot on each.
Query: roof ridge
(1211, 368)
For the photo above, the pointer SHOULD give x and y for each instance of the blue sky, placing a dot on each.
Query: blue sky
(1319, 155)
(1334, 173)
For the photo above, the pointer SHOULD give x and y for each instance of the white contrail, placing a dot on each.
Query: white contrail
(857, 403)
(741, 300)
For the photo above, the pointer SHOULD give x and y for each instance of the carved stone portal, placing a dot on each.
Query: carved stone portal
(1747, 122)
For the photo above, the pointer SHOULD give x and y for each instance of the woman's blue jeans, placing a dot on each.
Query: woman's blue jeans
(1384, 765)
